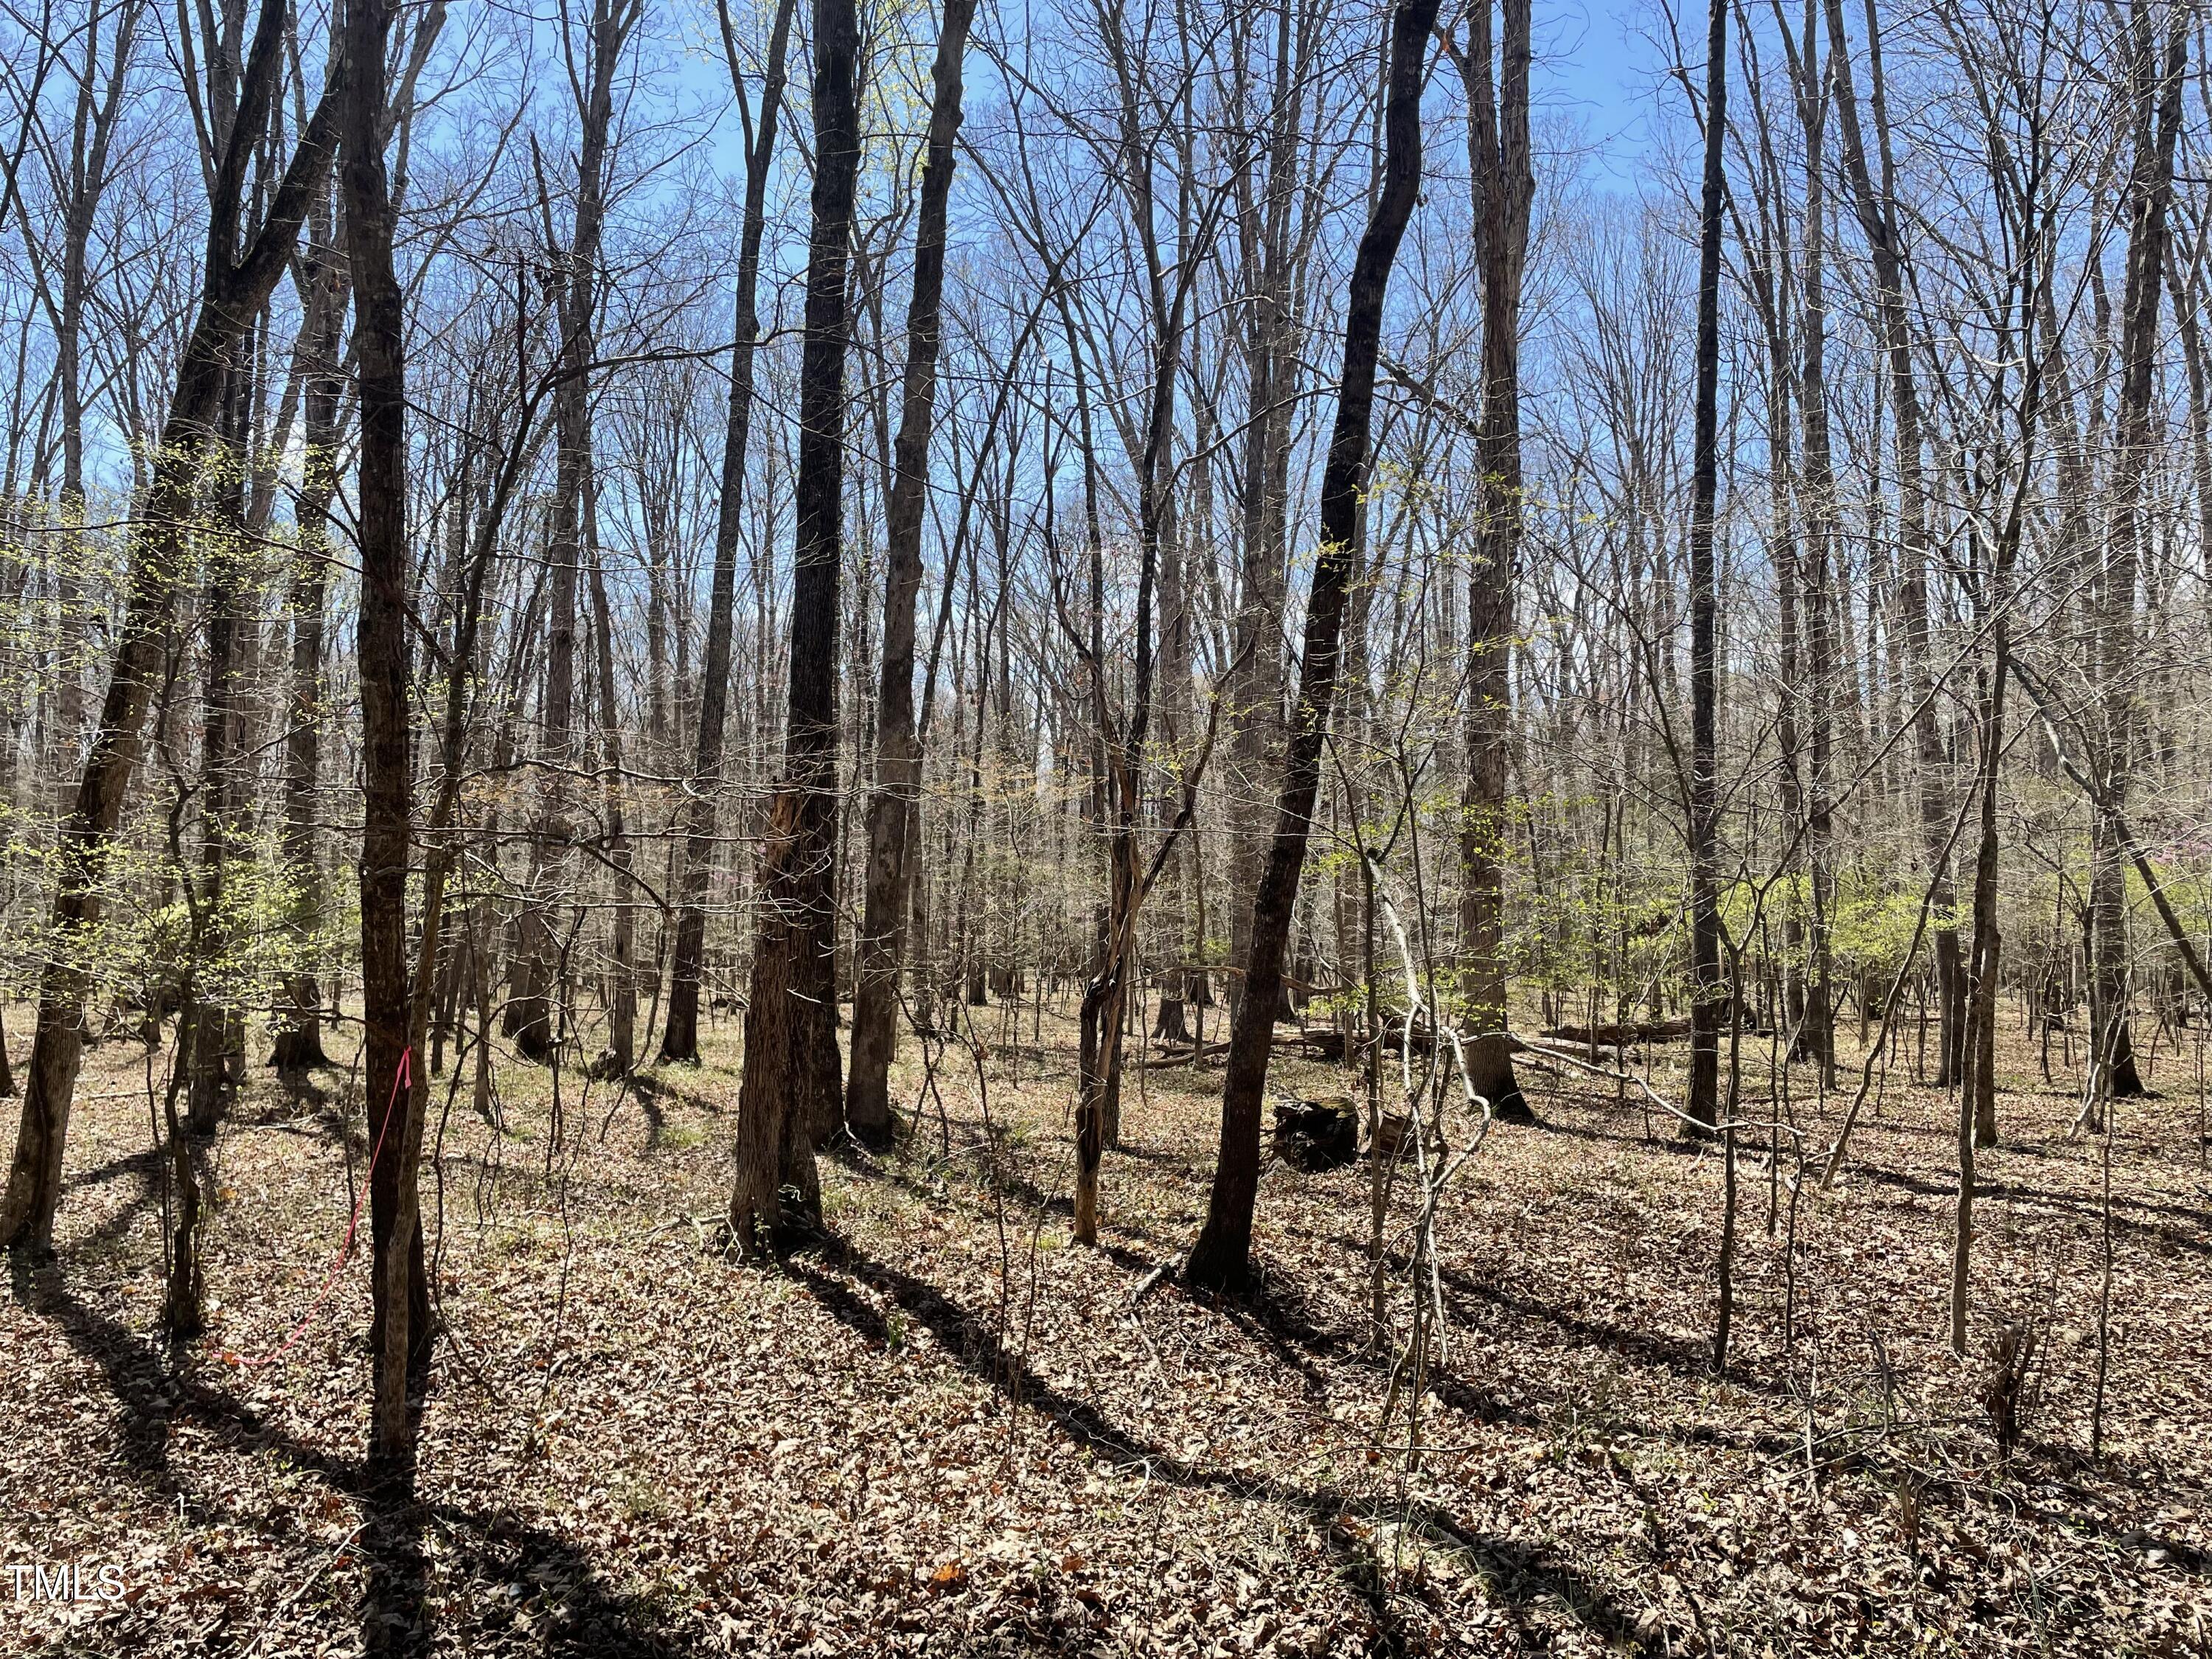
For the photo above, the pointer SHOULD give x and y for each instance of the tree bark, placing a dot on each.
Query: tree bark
(898, 748)
(400, 1334)
(211, 1031)
(1499, 163)
(1220, 1259)
(91, 142)
(1877, 217)
(1267, 229)
(1708, 992)
(536, 1015)
(621, 1055)
(1815, 1039)
(2157, 88)
(792, 1083)
(299, 1043)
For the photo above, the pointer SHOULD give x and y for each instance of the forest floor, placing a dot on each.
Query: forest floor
(944, 1430)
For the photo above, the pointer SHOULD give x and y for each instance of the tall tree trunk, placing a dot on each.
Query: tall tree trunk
(400, 1334)
(1189, 534)
(1708, 993)
(92, 131)
(537, 1013)
(1978, 1095)
(1123, 735)
(234, 287)
(2157, 92)
(1877, 216)
(211, 1033)
(791, 1087)
(1816, 1034)
(299, 1043)
(1268, 225)
(622, 1001)
(1101, 1016)
(679, 1032)
(1221, 1257)
(898, 748)
(1499, 163)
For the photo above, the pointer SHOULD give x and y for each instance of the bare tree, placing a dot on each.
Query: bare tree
(792, 1085)
(533, 1019)
(898, 751)
(2154, 82)
(1709, 993)
(1504, 184)
(1220, 1258)
(235, 281)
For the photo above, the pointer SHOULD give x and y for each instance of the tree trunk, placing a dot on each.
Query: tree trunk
(1709, 994)
(1268, 225)
(621, 1001)
(2157, 90)
(299, 1043)
(214, 1058)
(1877, 216)
(538, 1018)
(234, 287)
(1816, 1028)
(1220, 1259)
(898, 748)
(400, 1332)
(791, 1088)
(91, 142)
(1499, 163)
(679, 1032)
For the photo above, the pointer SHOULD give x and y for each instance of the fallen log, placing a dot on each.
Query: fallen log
(1177, 1054)
(1316, 1044)
(1616, 1036)
(1322, 1042)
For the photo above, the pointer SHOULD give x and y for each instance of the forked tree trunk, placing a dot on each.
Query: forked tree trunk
(791, 1082)
(898, 748)
(1221, 1257)
(234, 287)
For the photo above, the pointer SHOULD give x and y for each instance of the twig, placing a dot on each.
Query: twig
(1151, 1281)
(306, 1584)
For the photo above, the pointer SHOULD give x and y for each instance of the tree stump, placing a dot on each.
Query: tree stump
(1316, 1134)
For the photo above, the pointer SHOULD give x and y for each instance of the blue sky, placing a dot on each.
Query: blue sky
(1599, 65)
